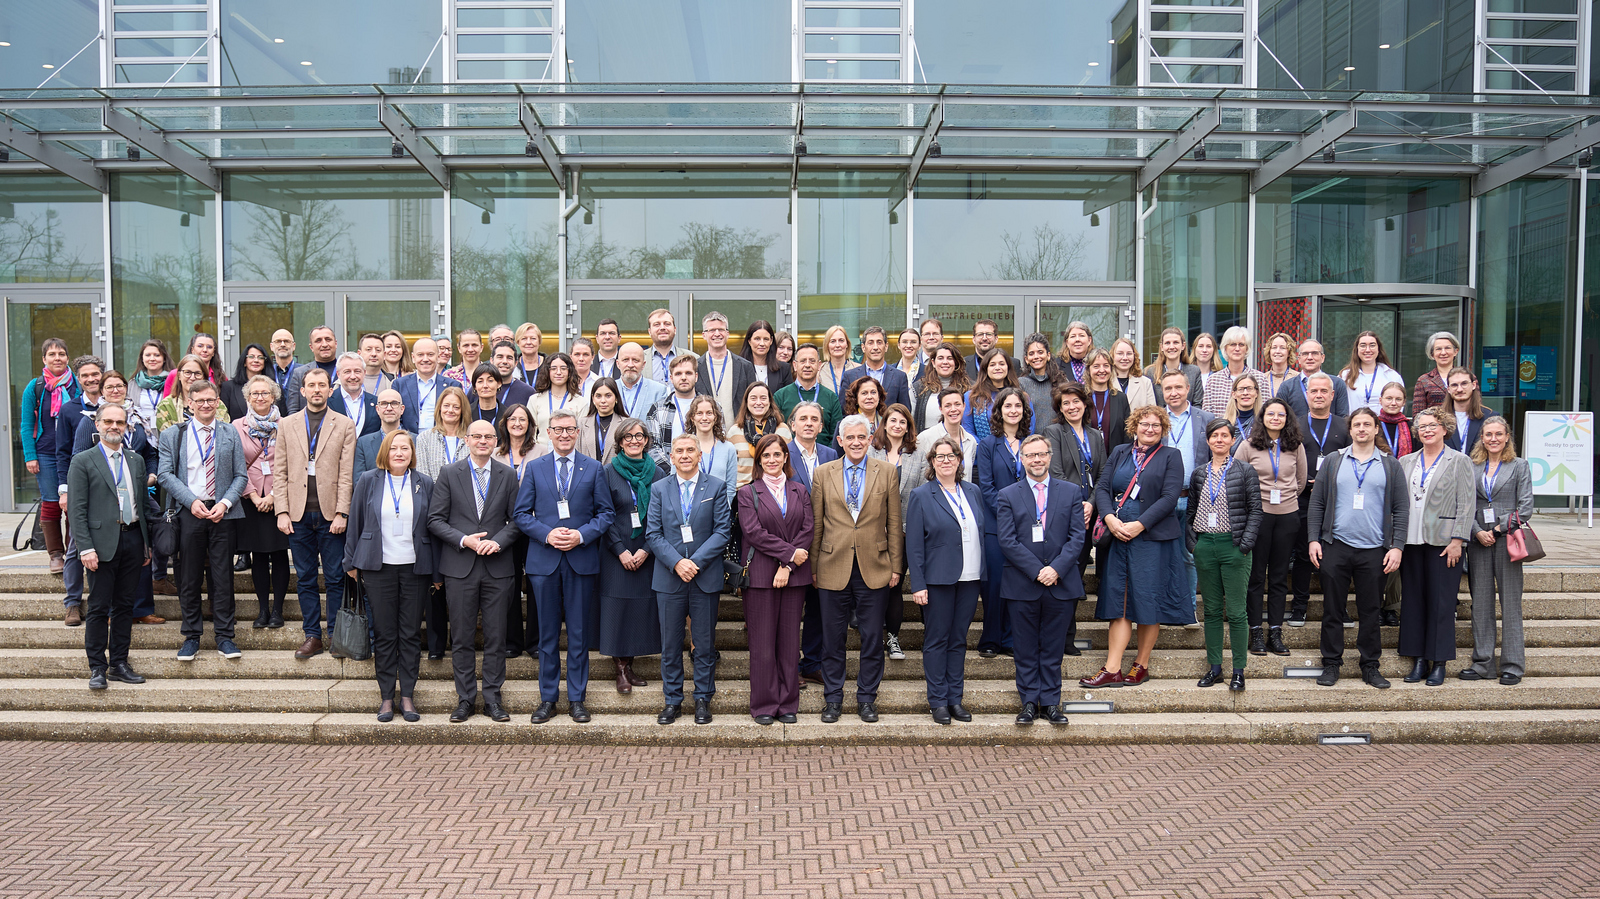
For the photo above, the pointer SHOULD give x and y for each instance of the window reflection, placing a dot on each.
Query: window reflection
(49, 230)
(364, 42)
(503, 264)
(1195, 275)
(1416, 45)
(852, 264)
(1064, 42)
(693, 41)
(164, 261)
(1358, 230)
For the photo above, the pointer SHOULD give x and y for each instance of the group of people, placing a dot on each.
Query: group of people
(617, 490)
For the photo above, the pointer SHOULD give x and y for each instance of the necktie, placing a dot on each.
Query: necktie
(686, 497)
(1040, 501)
(565, 480)
(210, 457)
(481, 493)
(853, 489)
(124, 497)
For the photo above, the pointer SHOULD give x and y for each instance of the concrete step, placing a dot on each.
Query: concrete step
(733, 727)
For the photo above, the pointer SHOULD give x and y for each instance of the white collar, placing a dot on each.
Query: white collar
(1045, 482)
(352, 397)
(691, 481)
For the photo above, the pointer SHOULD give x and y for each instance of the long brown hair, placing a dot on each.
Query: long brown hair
(958, 378)
(693, 429)
(1474, 403)
(983, 390)
(1158, 367)
(1352, 372)
(761, 447)
(1481, 455)
(880, 437)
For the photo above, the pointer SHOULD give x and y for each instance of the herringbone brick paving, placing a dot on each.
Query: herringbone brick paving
(166, 820)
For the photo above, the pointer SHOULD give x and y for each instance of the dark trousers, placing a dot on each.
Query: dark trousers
(894, 611)
(522, 631)
(478, 595)
(836, 607)
(270, 571)
(700, 610)
(811, 632)
(437, 614)
(205, 546)
(312, 543)
(996, 633)
(110, 618)
(563, 595)
(395, 595)
(1270, 568)
(1428, 588)
(1343, 567)
(772, 619)
(1301, 569)
(945, 622)
(1039, 631)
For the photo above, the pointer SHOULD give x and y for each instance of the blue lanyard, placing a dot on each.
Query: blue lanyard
(831, 374)
(718, 379)
(564, 482)
(524, 369)
(816, 393)
(1100, 399)
(1371, 383)
(1272, 384)
(287, 374)
(666, 367)
(683, 425)
(422, 398)
(550, 402)
(633, 403)
(1360, 470)
(206, 451)
(480, 485)
(1246, 426)
(957, 500)
(1214, 487)
(1273, 454)
(1488, 479)
(116, 470)
(450, 454)
(686, 499)
(1085, 457)
(1177, 434)
(708, 461)
(359, 413)
(394, 495)
(1391, 432)
(1426, 468)
(1016, 455)
(1327, 425)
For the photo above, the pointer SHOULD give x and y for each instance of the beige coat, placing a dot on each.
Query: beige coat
(875, 540)
(336, 456)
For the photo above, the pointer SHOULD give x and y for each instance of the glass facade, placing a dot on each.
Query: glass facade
(50, 42)
(49, 230)
(1368, 45)
(1194, 276)
(271, 43)
(1357, 230)
(1525, 297)
(1066, 42)
(163, 262)
(503, 259)
(698, 41)
(852, 265)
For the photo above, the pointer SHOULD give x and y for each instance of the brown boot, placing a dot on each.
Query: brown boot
(623, 685)
(163, 586)
(54, 545)
(312, 647)
(74, 617)
(634, 678)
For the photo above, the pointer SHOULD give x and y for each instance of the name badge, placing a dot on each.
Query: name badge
(1277, 496)
(687, 533)
(633, 519)
(122, 503)
(1358, 502)
(563, 509)
(1211, 520)
(311, 468)
(1319, 463)
(1038, 533)
(1134, 493)
(266, 467)
(394, 525)
(1488, 515)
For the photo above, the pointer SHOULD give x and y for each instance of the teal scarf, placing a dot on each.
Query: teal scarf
(640, 473)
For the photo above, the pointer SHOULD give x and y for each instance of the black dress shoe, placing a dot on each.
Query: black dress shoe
(262, 620)
(987, 653)
(1419, 670)
(764, 720)
(122, 672)
(1436, 676)
(1236, 683)
(410, 714)
(435, 656)
(831, 712)
(1029, 712)
(496, 712)
(463, 712)
(669, 713)
(241, 562)
(513, 653)
(702, 711)
(97, 679)
(1211, 678)
(1388, 618)
(941, 714)
(1372, 678)
(960, 713)
(580, 713)
(385, 715)
(789, 718)
(1329, 676)
(868, 711)
(543, 713)
(1510, 680)
(1053, 714)
(1258, 642)
(1073, 650)
(276, 621)
(1275, 642)
(1470, 674)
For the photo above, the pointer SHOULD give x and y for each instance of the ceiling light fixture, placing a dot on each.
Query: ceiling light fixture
(305, 62)
(1349, 68)
(1093, 63)
(5, 43)
(277, 40)
(48, 66)
(1383, 46)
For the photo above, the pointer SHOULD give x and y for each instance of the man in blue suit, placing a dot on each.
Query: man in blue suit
(874, 349)
(1041, 531)
(565, 508)
(420, 390)
(351, 398)
(688, 525)
(805, 420)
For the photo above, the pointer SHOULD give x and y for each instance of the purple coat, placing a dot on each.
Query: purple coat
(771, 537)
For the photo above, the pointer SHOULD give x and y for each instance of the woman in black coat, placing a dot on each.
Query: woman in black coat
(629, 625)
(1223, 521)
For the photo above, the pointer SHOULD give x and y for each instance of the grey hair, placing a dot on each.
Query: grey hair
(1447, 336)
(713, 317)
(349, 355)
(807, 405)
(1234, 335)
(560, 413)
(276, 390)
(1323, 375)
(851, 421)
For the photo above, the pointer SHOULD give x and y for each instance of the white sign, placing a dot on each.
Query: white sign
(1559, 447)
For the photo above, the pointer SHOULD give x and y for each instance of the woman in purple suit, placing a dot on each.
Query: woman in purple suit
(775, 514)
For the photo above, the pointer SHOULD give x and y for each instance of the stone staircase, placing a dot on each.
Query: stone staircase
(269, 696)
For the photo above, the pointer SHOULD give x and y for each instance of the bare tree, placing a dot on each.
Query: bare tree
(1050, 256)
(312, 246)
(33, 248)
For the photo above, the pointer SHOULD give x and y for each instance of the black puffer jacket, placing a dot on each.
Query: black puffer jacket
(1244, 505)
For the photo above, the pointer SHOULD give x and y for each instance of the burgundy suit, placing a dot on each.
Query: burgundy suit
(772, 615)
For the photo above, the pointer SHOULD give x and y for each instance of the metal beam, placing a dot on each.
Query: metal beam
(919, 156)
(1179, 147)
(395, 123)
(152, 142)
(548, 154)
(28, 144)
(1304, 149)
(1553, 151)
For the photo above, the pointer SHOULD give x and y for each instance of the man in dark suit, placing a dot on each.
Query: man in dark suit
(1295, 390)
(351, 398)
(202, 471)
(689, 523)
(985, 337)
(1041, 536)
(473, 501)
(420, 389)
(564, 506)
(105, 506)
(391, 410)
(806, 453)
(723, 374)
(513, 390)
(324, 353)
(874, 349)
(1322, 432)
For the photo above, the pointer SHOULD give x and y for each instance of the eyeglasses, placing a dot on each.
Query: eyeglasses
(255, 357)
(945, 457)
(383, 402)
(268, 394)
(629, 438)
(1421, 428)
(715, 330)
(190, 373)
(204, 402)
(1043, 455)
(564, 430)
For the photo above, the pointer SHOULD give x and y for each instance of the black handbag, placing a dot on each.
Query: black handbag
(350, 638)
(32, 516)
(164, 534)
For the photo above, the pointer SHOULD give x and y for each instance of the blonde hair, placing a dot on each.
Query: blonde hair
(828, 335)
(1266, 350)
(1133, 370)
(1508, 454)
(1232, 412)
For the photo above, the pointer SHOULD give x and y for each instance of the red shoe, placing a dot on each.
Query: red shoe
(1103, 679)
(1136, 675)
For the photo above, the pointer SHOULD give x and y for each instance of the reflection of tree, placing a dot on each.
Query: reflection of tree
(33, 248)
(312, 246)
(527, 265)
(1050, 256)
(715, 252)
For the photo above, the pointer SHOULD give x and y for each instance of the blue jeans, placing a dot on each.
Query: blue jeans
(312, 539)
(72, 574)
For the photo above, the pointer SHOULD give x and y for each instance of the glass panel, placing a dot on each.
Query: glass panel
(504, 260)
(1501, 80)
(355, 226)
(164, 261)
(258, 320)
(1065, 42)
(740, 313)
(42, 35)
(852, 43)
(1012, 227)
(269, 43)
(181, 47)
(1173, 46)
(29, 325)
(520, 17)
(1195, 74)
(503, 43)
(957, 315)
(413, 318)
(632, 316)
(858, 18)
(687, 41)
(1402, 327)
(1105, 323)
(1196, 21)
(852, 69)
(503, 69)
(49, 230)
(1547, 7)
(699, 225)
(1360, 230)
(1200, 3)
(159, 21)
(156, 3)
(1195, 276)
(1423, 46)
(852, 252)
(177, 73)
(1520, 54)
(1533, 30)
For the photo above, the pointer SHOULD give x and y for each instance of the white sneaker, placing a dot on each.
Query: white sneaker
(893, 643)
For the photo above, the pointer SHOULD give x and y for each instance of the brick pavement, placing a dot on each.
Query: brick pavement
(1167, 821)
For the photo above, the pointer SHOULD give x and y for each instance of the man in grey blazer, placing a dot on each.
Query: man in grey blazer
(471, 514)
(105, 507)
(203, 472)
(687, 528)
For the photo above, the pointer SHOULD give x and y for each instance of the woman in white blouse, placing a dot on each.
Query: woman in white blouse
(1368, 372)
(556, 391)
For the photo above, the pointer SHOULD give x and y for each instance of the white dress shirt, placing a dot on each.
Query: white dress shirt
(194, 465)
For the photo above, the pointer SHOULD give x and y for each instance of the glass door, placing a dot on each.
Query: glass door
(1403, 325)
(958, 312)
(1108, 318)
(251, 315)
(630, 306)
(413, 312)
(742, 306)
(31, 317)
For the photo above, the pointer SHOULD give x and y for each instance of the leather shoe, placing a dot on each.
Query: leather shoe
(1211, 678)
(1053, 714)
(1275, 642)
(163, 586)
(1258, 642)
(1236, 683)
(1073, 650)
(1103, 679)
(152, 619)
(788, 718)
(97, 680)
(463, 712)
(702, 711)
(409, 712)
(1419, 670)
(987, 653)
(1510, 680)
(624, 686)
(1029, 712)
(1388, 618)
(385, 712)
(764, 720)
(960, 713)
(831, 712)
(580, 713)
(1470, 674)
(124, 673)
(1372, 678)
(312, 647)
(496, 712)
(1329, 676)
(1436, 676)
(543, 713)
(669, 714)
(1136, 675)
(435, 656)
(73, 616)
(868, 712)
(941, 714)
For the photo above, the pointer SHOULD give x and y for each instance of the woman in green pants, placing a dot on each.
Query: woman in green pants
(1224, 516)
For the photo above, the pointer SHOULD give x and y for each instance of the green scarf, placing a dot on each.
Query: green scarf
(146, 381)
(640, 473)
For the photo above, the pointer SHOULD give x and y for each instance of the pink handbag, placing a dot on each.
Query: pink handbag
(1522, 544)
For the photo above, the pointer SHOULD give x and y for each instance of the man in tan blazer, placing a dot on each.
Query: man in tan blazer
(856, 556)
(311, 483)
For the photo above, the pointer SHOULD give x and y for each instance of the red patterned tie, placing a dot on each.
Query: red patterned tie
(211, 464)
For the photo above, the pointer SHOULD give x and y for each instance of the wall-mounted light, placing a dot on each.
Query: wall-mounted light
(894, 217)
(396, 149)
(530, 149)
(183, 220)
(1383, 46)
(283, 219)
(1585, 158)
(1200, 152)
(588, 217)
(1327, 155)
(799, 148)
(1094, 219)
(935, 150)
(1194, 220)
(133, 153)
(5, 154)
(485, 218)
(1388, 223)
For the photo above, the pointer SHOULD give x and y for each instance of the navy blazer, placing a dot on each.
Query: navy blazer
(825, 454)
(512, 393)
(589, 500)
(1159, 487)
(896, 389)
(995, 469)
(933, 536)
(410, 390)
(1060, 548)
(1199, 419)
(712, 521)
(363, 547)
(369, 419)
(75, 418)
(1452, 439)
